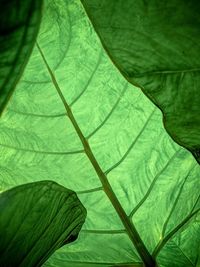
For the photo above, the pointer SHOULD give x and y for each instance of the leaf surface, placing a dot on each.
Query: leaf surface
(155, 45)
(74, 118)
(35, 220)
(20, 21)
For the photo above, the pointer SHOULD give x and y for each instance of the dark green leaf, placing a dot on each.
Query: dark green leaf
(19, 24)
(155, 44)
(35, 220)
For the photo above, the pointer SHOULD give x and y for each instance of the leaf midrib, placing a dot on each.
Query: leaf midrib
(129, 226)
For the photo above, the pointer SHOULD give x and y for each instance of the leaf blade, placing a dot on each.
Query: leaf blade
(35, 220)
(129, 226)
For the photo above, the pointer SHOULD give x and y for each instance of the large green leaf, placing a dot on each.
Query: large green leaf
(35, 220)
(155, 44)
(19, 24)
(74, 118)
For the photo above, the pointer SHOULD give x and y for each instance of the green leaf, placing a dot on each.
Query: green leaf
(35, 220)
(19, 25)
(155, 45)
(74, 117)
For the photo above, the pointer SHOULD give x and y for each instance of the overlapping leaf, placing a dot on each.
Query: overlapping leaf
(19, 25)
(35, 220)
(76, 119)
(155, 44)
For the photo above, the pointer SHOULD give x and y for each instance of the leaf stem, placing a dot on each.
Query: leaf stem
(129, 226)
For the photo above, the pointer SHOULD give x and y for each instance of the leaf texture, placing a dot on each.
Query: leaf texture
(35, 220)
(20, 21)
(74, 118)
(155, 45)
